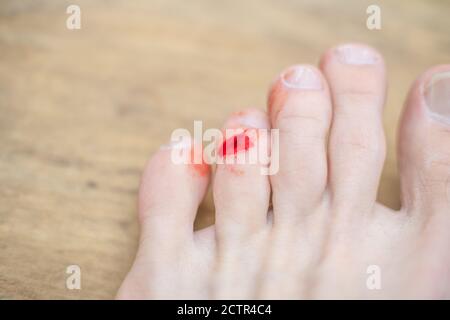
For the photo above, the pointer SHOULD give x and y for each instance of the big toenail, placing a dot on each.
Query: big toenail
(437, 95)
(356, 55)
(302, 77)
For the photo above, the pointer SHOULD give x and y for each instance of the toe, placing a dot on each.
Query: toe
(172, 187)
(300, 108)
(356, 76)
(424, 143)
(241, 189)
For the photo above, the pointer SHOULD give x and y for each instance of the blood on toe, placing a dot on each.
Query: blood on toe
(200, 168)
(235, 144)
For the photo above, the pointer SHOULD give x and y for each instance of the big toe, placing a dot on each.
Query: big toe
(424, 144)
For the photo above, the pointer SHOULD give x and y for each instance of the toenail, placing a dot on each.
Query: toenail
(252, 121)
(356, 55)
(437, 95)
(301, 77)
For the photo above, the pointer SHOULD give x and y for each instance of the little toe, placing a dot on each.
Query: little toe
(172, 187)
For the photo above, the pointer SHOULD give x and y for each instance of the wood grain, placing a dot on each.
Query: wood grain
(81, 111)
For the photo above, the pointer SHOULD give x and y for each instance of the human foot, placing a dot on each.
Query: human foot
(324, 230)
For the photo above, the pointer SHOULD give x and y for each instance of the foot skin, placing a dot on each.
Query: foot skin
(325, 235)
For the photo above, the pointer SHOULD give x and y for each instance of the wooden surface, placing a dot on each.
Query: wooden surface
(81, 111)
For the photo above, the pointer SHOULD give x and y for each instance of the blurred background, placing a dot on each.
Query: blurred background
(82, 110)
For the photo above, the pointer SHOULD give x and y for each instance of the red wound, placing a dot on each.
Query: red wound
(235, 144)
(202, 168)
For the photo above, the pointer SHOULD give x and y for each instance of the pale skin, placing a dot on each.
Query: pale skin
(312, 230)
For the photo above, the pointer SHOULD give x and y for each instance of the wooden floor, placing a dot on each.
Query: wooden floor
(81, 111)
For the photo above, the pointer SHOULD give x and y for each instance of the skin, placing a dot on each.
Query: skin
(324, 227)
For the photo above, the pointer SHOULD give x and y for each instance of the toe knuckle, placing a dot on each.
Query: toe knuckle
(312, 127)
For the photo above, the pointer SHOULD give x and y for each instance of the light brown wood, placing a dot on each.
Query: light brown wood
(81, 111)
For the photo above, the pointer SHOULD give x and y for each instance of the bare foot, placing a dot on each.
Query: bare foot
(325, 231)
